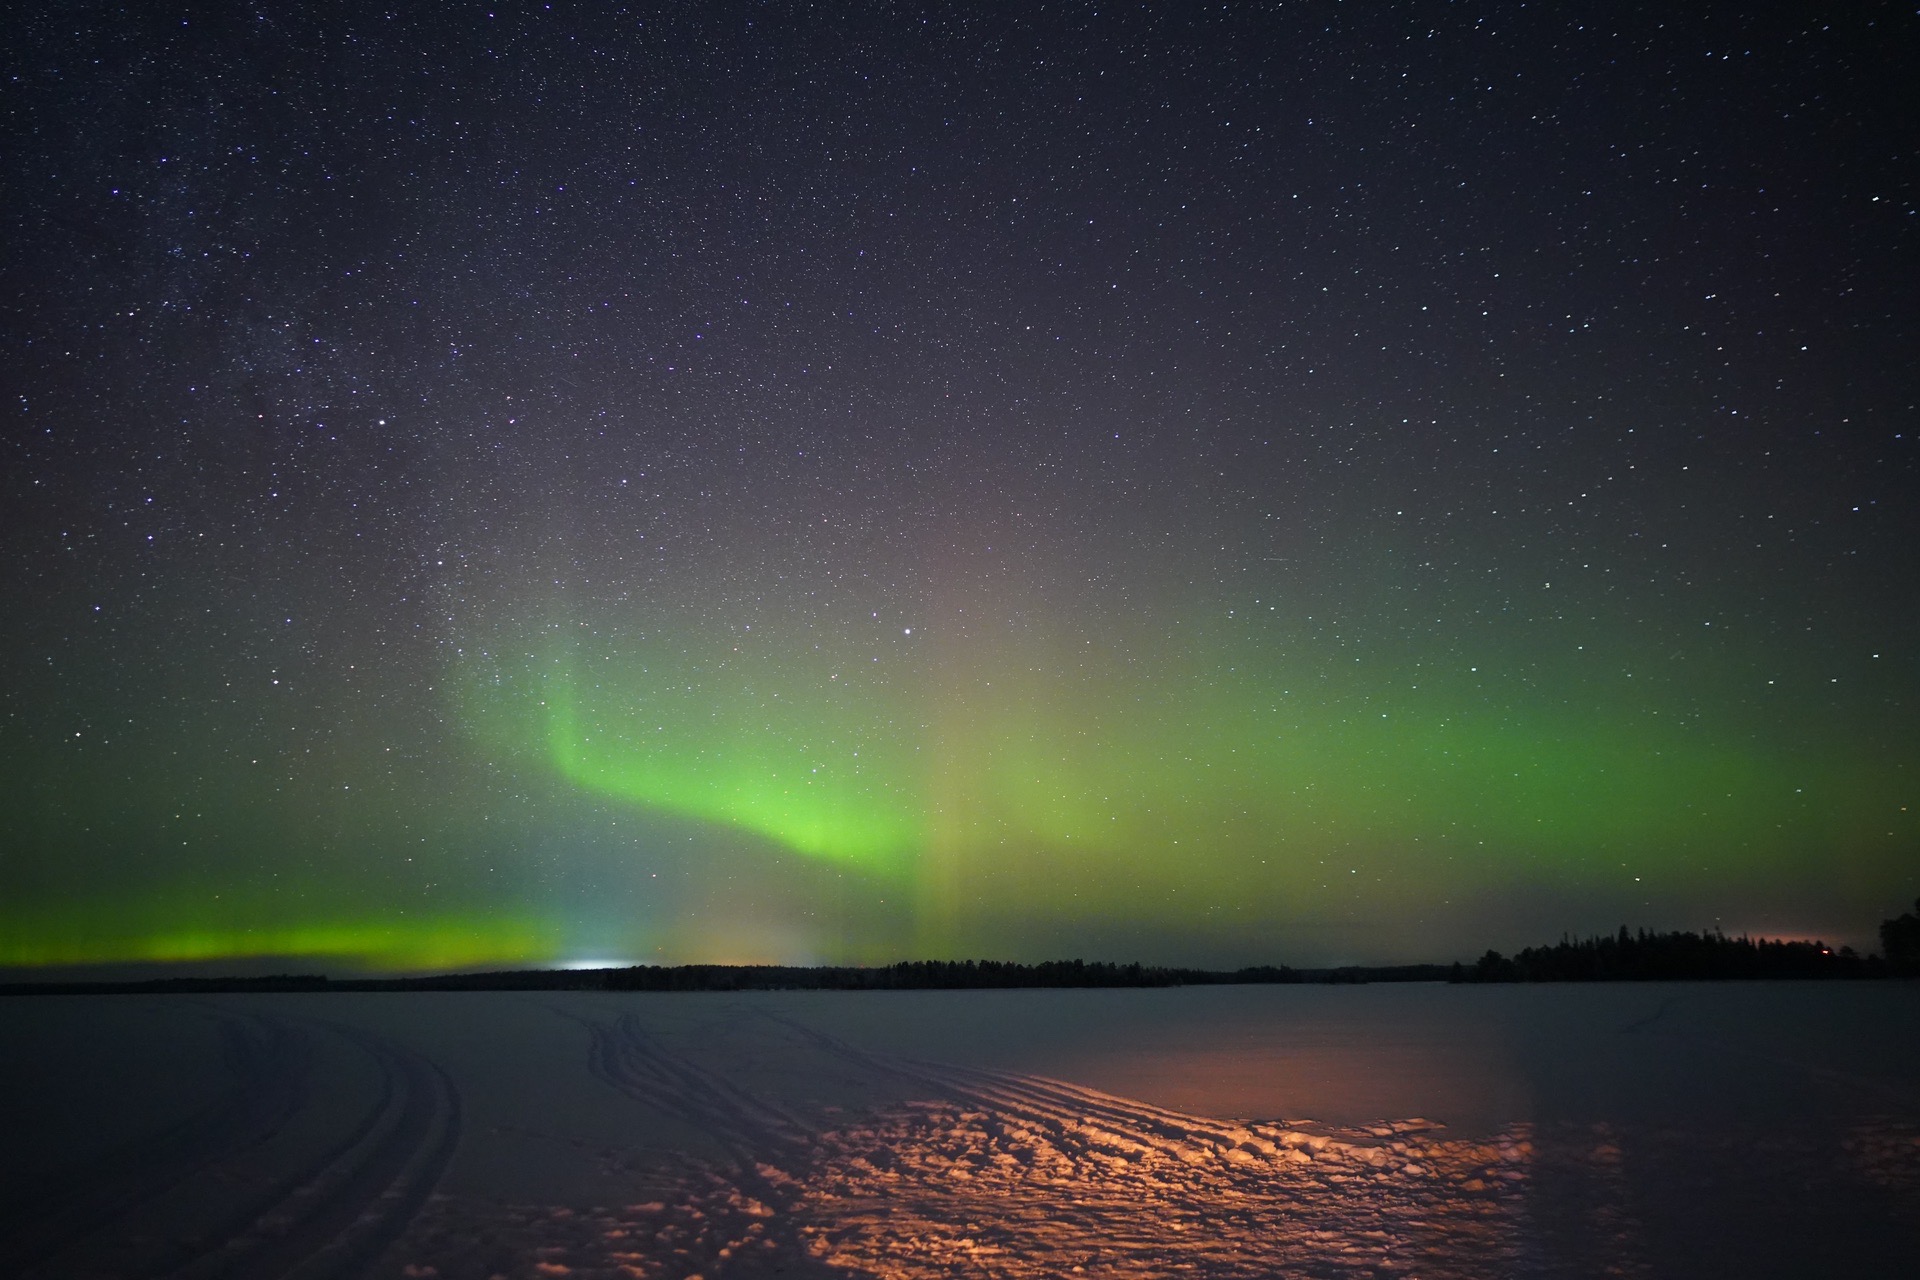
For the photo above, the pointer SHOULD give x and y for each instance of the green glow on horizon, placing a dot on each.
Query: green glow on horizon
(431, 943)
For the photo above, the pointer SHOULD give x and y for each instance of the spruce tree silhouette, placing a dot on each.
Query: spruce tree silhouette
(1900, 943)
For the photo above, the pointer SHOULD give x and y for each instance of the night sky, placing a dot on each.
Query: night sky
(1298, 483)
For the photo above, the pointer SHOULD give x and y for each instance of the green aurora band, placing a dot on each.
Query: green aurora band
(986, 771)
(1228, 776)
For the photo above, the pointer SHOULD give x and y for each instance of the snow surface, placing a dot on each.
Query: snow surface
(1755, 1129)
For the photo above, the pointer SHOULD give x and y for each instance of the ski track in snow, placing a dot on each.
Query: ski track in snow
(320, 1156)
(222, 1196)
(995, 1174)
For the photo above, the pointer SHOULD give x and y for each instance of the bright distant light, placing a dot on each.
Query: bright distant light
(595, 964)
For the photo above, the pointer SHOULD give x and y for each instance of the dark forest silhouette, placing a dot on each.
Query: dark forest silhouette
(1900, 943)
(1644, 956)
(1620, 957)
(907, 975)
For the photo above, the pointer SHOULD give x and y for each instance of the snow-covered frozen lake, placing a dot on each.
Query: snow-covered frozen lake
(1417, 1130)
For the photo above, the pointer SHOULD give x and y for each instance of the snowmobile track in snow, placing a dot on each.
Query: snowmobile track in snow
(322, 1211)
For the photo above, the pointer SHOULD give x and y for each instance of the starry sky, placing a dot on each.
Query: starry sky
(1292, 483)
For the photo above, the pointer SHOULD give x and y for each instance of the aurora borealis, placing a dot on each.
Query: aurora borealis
(1296, 484)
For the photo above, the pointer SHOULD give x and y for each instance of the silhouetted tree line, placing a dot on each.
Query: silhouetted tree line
(928, 975)
(1644, 956)
(908, 975)
(1900, 943)
(1620, 957)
